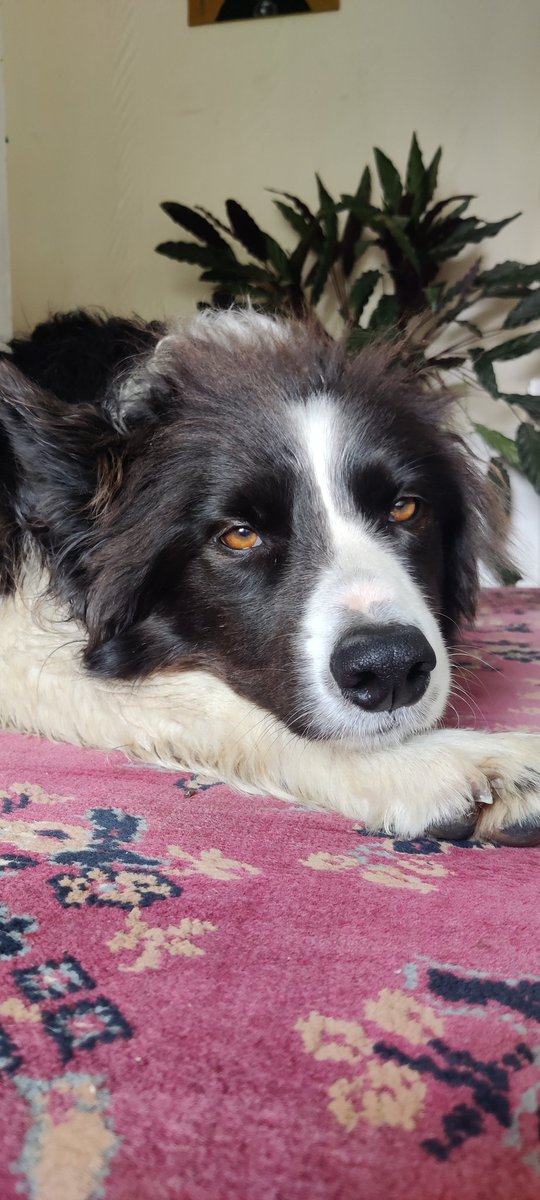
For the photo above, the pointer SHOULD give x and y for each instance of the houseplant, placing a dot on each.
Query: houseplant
(403, 261)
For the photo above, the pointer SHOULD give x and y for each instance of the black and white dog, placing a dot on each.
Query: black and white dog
(232, 548)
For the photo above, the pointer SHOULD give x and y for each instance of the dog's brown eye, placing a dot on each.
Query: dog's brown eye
(240, 537)
(404, 509)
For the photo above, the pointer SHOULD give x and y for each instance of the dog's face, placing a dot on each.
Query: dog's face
(300, 523)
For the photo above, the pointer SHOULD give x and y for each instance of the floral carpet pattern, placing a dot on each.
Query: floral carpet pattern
(204, 995)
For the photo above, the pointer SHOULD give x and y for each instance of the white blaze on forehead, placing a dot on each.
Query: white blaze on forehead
(321, 436)
(363, 577)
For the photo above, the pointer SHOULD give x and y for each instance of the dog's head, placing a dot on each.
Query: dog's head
(250, 500)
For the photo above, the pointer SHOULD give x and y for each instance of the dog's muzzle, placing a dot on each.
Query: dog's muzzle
(383, 667)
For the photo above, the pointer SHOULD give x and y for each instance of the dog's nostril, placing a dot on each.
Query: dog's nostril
(382, 667)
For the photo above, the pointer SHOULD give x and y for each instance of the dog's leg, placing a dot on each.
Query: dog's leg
(450, 781)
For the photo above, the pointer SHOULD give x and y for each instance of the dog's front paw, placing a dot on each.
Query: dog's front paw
(513, 773)
(505, 807)
(459, 784)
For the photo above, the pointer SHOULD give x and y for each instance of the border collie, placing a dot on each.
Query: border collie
(233, 548)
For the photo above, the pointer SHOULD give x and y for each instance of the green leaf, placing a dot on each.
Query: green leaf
(247, 231)
(387, 312)
(510, 274)
(439, 207)
(527, 310)
(433, 174)
(390, 180)
(483, 369)
(362, 290)
(213, 220)
(417, 181)
(528, 444)
(322, 269)
(351, 242)
(504, 446)
(294, 219)
(190, 252)
(330, 247)
(395, 228)
(433, 296)
(327, 210)
(194, 223)
(515, 348)
(529, 404)
(300, 205)
(278, 258)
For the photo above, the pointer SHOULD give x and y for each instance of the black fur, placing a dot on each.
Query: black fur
(122, 468)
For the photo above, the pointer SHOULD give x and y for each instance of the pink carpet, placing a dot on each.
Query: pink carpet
(205, 996)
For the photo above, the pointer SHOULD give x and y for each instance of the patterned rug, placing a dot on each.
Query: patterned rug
(206, 996)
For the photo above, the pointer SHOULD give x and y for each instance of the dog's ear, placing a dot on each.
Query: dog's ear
(61, 465)
(49, 439)
(145, 646)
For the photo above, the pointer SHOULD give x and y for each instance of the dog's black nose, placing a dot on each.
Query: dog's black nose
(381, 667)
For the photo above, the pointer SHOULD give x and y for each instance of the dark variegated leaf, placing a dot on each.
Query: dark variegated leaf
(417, 179)
(278, 258)
(433, 174)
(470, 325)
(301, 207)
(485, 374)
(190, 252)
(330, 247)
(362, 290)
(447, 362)
(293, 217)
(386, 314)
(502, 445)
(433, 295)
(246, 230)
(528, 444)
(436, 209)
(231, 273)
(327, 210)
(214, 220)
(527, 310)
(459, 295)
(470, 231)
(318, 277)
(510, 275)
(351, 240)
(529, 404)
(311, 241)
(395, 228)
(449, 237)
(390, 180)
(515, 348)
(195, 223)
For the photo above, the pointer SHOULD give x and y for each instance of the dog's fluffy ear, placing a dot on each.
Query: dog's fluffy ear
(47, 436)
(60, 463)
(146, 646)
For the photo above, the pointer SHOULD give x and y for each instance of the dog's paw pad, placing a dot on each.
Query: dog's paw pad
(526, 833)
(459, 830)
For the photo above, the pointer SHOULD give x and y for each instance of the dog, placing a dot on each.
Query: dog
(235, 549)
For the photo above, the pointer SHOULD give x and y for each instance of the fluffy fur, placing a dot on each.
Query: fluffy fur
(312, 663)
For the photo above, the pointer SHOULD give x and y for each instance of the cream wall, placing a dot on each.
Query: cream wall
(114, 105)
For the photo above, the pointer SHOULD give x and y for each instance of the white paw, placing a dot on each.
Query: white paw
(472, 784)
